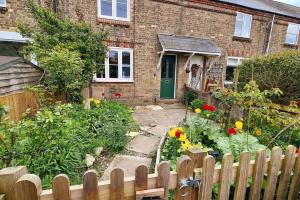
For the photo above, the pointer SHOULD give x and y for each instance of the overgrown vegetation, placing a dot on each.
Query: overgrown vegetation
(279, 70)
(58, 138)
(70, 52)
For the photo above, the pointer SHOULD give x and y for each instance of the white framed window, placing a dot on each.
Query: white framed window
(243, 25)
(292, 34)
(2, 3)
(114, 9)
(232, 63)
(118, 66)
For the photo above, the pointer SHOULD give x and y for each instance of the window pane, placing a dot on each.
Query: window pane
(293, 28)
(101, 71)
(247, 26)
(113, 57)
(126, 71)
(106, 7)
(126, 58)
(291, 38)
(230, 73)
(239, 17)
(238, 28)
(122, 8)
(113, 71)
(2, 2)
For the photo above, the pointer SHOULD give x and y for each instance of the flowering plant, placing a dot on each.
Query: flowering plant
(209, 108)
(178, 133)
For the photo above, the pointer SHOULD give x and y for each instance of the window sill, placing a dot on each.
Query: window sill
(243, 39)
(294, 46)
(112, 22)
(99, 80)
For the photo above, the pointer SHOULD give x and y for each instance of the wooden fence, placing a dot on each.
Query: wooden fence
(18, 103)
(281, 172)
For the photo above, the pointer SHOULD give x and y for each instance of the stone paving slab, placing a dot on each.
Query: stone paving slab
(127, 163)
(159, 130)
(143, 144)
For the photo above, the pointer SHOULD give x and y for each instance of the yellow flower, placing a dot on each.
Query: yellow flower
(182, 137)
(186, 145)
(239, 125)
(257, 131)
(91, 99)
(96, 101)
(173, 131)
(83, 102)
(198, 110)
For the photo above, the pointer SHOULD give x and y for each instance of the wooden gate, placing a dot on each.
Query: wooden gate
(280, 172)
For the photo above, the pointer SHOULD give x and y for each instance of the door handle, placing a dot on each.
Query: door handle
(167, 81)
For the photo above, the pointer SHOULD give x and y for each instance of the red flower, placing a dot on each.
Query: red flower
(232, 131)
(118, 94)
(209, 108)
(177, 133)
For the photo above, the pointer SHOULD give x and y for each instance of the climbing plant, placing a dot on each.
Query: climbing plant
(70, 52)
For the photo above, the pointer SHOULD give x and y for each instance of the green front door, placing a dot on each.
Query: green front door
(167, 84)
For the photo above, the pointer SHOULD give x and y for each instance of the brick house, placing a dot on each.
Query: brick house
(158, 47)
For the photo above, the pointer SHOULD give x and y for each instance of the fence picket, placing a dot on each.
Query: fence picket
(61, 187)
(207, 176)
(141, 178)
(183, 172)
(225, 177)
(286, 170)
(28, 187)
(117, 184)
(242, 176)
(295, 184)
(163, 171)
(273, 170)
(258, 174)
(90, 185)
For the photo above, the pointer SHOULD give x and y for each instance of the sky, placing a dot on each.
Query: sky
(292, 2)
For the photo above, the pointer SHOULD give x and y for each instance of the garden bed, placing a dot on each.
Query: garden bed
(58, 139)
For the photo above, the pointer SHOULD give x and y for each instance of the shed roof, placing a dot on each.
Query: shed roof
(188, 44)
(268, 6)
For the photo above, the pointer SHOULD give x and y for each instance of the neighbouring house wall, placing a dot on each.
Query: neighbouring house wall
(208, 19)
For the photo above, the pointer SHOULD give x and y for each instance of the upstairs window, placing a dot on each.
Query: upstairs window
(292, 34)
(243, 25)
(114, 9)
(118, 66)
(2, 3)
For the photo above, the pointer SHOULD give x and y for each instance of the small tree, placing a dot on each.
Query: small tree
(70, 52)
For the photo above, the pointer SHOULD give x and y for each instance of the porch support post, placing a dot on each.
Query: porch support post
(204, 74)
(162, 53)
(188, 60)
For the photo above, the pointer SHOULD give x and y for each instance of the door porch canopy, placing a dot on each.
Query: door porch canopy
(188, 45)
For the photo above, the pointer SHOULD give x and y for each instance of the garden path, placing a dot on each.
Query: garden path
(155, 121)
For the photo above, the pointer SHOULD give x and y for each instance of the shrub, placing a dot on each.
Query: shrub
(279, 70)
(188, 96)
(197, 103)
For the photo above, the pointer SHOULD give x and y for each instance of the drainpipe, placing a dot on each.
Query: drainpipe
(270, 35)
(55, 6)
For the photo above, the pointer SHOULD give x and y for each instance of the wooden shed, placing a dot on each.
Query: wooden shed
(15, 73)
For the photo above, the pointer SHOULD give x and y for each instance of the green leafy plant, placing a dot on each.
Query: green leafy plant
(197, 103)
(188, 96)
(171, 151)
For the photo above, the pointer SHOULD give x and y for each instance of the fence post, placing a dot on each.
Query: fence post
(197, 156)
(8, 178)
(28, 187)
(183, 172)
